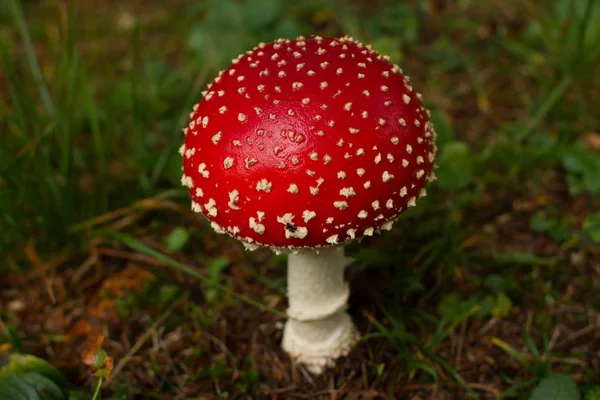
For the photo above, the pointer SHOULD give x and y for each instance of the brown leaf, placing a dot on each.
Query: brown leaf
(127, 281)
(80, 328)
(592, 141)
(31, 254)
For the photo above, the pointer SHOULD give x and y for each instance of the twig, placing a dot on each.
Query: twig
(424, 386)
(332, 392)
(306, 374)
(158, 201)
(282, 390)
(529, 322)
(140, 342)
(222, 346)
(569, 361)
(582, 332)
(488, 326)
(459, 347)
(554, 338)
(31, 254)
(83, 268)
(577, 334)
(485, 388)
(365, 375)
(3, 326)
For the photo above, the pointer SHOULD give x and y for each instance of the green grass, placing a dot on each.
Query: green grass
(92, 102)
(76, 150)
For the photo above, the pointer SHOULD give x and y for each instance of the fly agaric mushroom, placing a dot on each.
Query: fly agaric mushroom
(302, 146)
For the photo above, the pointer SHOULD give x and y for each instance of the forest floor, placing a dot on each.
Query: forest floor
(484, 291)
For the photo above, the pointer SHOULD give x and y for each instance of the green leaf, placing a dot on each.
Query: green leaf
(583, 169)
(572, 163)
(214, 268)
(542, 146)
(259, 14)
(169, 293)
(216, 46)
(288, 27)
(500, 284)
(455, 310)
(591, 227)
(443, 128)
(502, 306)
(26, 377)
(372, 257)
(401, 19)
(19, 363)
(557, 386)
(480, 308)
(525, 258)
(177, 239)
(379, 369)
(414, 366)
(226, 14)
(542, 223)
(12, 389)
(456, 166)
(28, 386)
(388, 45)
(593, 394)
(451, 307)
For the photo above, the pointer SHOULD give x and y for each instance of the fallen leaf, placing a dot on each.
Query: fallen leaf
(592, 141)
(80, 328)
(124, 282)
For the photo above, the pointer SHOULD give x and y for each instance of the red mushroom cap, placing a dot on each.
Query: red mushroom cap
(307, 143)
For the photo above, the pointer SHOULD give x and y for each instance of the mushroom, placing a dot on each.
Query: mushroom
(302, 146)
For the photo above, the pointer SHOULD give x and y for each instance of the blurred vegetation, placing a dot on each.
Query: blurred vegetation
(93, 99)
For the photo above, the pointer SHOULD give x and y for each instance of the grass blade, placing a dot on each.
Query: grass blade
(538, 116)
(511, 351)
(136, 245)
(32, 59)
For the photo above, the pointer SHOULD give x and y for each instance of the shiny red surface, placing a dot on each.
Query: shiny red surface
(284, 127)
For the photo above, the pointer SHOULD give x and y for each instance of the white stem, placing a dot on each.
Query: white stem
(318, 329)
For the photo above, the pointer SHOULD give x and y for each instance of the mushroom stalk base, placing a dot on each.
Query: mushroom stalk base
(318, 330)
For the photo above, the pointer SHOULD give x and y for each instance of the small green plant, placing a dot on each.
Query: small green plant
(177, 239)
(421, 357)
(593, 394)
(583, 172)
(556, 386)
(456, 166)
(26, 377)
(99, 362)
(214, 267)
(591, 227)
(536, 364)
(248, 378)
(238, 26)
(549, 222)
